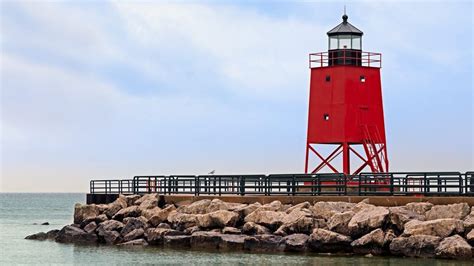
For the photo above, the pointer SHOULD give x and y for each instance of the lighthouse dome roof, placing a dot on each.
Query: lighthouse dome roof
(345, 28)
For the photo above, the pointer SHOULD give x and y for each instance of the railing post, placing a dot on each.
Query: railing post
(242, 185)
(391, 184)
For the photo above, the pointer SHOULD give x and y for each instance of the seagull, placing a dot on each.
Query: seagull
(212, 172)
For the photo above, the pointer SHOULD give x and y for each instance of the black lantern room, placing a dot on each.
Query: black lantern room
(345, 44)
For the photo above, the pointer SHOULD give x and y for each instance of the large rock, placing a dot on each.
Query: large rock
(37, 236)
(90, 227)
(231, 230)
(296, 242)
(264, 243)
(197, 207)
(297, 221)
(232, 242)
(131, 199)
(110, 225)
(101, 218)
(155, 236)
(131, 224)
(183, 220)
(245, 210)
(400, 215)
(251, 228)
(415, 246)
(454, 247)
(272, 206)
(83, 212)
(146, 198)
(470, 237)
(455, 211)
(73, 234)
(271, 219)
(52, 234)
(322, 240)
(218, 219)
(132, 211)
(134, 243)
(419, 207)
(372, 243)
(469, 220)
(110, 237)
(149, 202)
(134, 234)
(326, 209)
(367, 219)
(217, 205)
(181, 241)
(339, 222)
(439, 227)
(117, 205)
(206, 240)
(300, 206)
(161, 215)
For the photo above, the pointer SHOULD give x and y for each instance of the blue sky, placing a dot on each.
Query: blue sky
(117, 89)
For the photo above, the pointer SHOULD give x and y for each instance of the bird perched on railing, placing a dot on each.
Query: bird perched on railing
(212, 172)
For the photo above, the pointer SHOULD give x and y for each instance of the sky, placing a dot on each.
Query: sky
(96, 90)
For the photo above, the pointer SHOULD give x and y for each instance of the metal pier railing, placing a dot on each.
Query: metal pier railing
(364, 184)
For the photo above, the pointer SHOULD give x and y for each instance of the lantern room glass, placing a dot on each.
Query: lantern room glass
(345, 42)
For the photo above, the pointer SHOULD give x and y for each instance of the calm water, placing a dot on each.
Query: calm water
(18, 212)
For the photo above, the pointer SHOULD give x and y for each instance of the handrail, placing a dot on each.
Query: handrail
(363, 184)
(345, 57)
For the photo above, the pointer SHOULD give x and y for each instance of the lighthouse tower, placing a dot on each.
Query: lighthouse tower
(345, 106)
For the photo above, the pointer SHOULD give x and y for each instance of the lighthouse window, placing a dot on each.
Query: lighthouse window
(345, 42)
(362, 78)
(328, 78)
(326, 117)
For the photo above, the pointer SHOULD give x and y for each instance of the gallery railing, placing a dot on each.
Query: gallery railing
(365, 184)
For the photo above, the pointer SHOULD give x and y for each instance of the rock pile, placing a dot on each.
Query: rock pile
(414, 230)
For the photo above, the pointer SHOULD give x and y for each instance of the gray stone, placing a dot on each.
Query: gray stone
(270, 219)
(132, 223)
(231, 231)
(419, 207)
(296, 242)
(232, 242)
(299, 220)
(415, 246)
(197, 207)
(439, 227)
(367, 219)
(90, 227)
(400, 215)
(206, 240)
(372, 243)
(339, 222)
(264, 243)
(177, 241)
(322, 240)
(136, 242)
(132, 211)
(455, 211)
(251, 228)
(326, 209)
(117, 205)
(37, 236)
(73, 234)
(134, 234)
(155, 236)
(83, 212)
(454, 247)
(218, 219)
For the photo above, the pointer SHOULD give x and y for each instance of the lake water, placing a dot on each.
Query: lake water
(19, 212)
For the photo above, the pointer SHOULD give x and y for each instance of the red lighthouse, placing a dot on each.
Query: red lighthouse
(345, 106)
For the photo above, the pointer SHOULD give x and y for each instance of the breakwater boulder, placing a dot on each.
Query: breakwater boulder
(414, 230)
